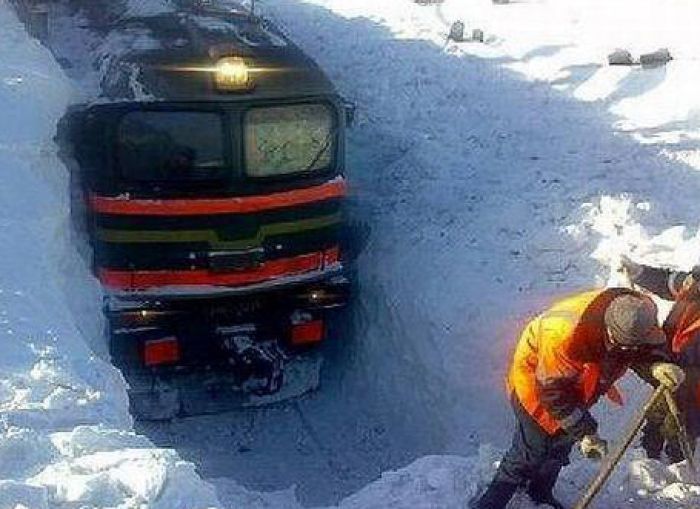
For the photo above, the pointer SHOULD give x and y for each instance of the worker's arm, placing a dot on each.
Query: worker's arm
(643, 367)
(660, 370)
(558, 396)
(558, 377)
(665, 283)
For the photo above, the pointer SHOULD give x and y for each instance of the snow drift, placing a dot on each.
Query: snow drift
(65, 438)
(490, 173)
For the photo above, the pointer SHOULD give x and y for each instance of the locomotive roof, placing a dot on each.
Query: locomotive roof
(163, 57)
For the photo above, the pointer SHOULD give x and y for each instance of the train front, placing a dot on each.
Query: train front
(214, 210)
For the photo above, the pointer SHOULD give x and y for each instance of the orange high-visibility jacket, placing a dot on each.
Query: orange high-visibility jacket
(682, 327)
(564, 348)
(683, 323)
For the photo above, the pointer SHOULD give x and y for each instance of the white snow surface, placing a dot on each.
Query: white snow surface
(494, 177)
(65, 431)
(148, 7)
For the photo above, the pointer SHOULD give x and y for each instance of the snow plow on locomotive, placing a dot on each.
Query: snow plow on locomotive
(208, 177)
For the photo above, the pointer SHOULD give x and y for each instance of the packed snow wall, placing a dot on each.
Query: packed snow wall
(65, 438)
(488, 174)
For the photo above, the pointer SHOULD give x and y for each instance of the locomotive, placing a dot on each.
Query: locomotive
(208, 178)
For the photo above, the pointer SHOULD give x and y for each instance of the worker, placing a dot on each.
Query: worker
(682, 328)
(565, 360)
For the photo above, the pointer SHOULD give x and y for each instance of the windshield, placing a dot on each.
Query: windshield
(283, 140)
(171, 146)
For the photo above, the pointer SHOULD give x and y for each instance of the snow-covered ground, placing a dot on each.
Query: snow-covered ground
(493, 177)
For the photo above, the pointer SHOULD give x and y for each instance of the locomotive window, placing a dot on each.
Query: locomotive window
(282, 140)
(157, 146)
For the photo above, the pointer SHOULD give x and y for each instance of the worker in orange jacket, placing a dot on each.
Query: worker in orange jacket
(682, 328)
(565, 360)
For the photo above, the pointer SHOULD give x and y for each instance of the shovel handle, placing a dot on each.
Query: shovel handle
(612, 459)
(682, 431)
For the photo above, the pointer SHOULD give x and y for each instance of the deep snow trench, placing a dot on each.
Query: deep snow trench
(491, 179)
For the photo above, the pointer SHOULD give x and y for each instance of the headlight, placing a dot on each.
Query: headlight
(232, 75)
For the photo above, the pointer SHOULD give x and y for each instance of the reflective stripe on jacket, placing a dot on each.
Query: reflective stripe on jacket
(559, 367)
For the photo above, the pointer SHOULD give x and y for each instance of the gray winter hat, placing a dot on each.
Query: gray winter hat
(632, 321)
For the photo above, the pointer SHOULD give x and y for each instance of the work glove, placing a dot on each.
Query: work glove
(593, 447)
(668, 375)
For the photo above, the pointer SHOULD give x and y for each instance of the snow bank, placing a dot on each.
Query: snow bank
(474, 173)
(451, 482)
(447, 482)
(565, 45)
(65, 438)
(495, 178)
(50, 378)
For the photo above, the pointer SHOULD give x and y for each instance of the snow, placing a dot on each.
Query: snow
(497, 177)
(493, 178)
(127, 476)
(146, 8)
(65, 430)
(49, 375)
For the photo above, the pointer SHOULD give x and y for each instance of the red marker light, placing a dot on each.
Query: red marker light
(161, 351)
(307, 333)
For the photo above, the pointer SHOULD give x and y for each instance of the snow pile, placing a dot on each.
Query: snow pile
(49, 376)
(64, 422)
(445, 482)
(433, 481)
(617, 222)
(488, 194)
(450, 482)
(565, 45)
(466, 175)
(100, 467)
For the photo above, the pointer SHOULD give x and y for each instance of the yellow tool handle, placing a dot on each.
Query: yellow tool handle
(682, 431)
